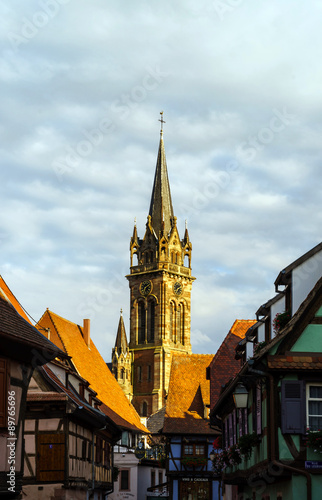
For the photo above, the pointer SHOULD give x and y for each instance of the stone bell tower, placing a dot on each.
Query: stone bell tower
(160, 284)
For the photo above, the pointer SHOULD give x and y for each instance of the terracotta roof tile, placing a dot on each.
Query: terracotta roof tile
(280, 362)
(7, 294)
(241, 326)
(189, 393)
(15, 329)
(224, 366)
(46, 396)
(91, 366)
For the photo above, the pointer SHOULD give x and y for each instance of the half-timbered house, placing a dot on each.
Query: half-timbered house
(69, 441)
(22, 349)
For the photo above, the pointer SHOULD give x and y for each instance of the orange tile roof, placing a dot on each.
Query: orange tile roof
(241, 326)
(91, 366)
(7, 294)
(189, 392)
(295, 362)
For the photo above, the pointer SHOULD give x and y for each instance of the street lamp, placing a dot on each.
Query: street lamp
(240, 396)
(212, 455)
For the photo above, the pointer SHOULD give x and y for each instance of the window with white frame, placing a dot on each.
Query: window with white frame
(314, 406)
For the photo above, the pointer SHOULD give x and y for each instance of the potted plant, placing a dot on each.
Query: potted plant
(314, 440)
(115, 472)
(259, 346)
(246, 443)
(194, 461)
(280, 320)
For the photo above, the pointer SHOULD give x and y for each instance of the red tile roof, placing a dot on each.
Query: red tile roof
(189, 393)
(295, 362)
(15, 330)
(7, 294)
(224, 366)
(90, 365)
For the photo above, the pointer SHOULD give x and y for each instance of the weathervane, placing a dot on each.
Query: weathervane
(162, 122)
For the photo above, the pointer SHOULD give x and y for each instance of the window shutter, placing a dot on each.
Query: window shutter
(240, 422)
(231, 436)
(245, 421)
(293, 407)
(258, 409)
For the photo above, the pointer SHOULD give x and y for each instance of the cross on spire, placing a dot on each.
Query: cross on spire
(162, 122)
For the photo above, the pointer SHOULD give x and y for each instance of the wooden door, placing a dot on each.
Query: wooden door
(51, 457)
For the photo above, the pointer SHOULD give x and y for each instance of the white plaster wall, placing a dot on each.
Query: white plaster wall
(277, 308)
(126, 461)
(249, 349)
(304, 277)
(261, 333)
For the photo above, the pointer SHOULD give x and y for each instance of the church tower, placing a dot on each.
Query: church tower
(160, 284)
(121, 360)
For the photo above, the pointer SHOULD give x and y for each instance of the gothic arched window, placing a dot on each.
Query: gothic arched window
(181, 323)
(151, 320)
(172, 322)
(142, 323)
(144, 412)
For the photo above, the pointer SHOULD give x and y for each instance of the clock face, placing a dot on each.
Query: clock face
(145, 288)
(177, 288)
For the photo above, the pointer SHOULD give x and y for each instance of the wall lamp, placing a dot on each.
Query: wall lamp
(240, 396)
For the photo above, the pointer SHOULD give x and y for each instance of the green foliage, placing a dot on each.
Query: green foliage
(246, 444)
(280, 320)
(259, 346)
(314, 440)
(115, 473)
(194, 461)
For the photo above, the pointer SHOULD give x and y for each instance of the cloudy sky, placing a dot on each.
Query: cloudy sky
(82, 86)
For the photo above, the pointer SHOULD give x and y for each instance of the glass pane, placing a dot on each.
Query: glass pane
(188, 449)
(315, 407)
(315, 423)
(200, 449)
(316, 391)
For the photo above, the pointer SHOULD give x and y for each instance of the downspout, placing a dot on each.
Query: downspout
(93, 464)
(272, 441)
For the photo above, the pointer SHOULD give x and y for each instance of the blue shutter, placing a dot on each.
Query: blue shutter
(293, 407)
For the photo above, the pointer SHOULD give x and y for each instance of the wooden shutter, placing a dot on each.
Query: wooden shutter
(245, 421)
(293, 407)
(51, 457)
(258, 409)
(234, 427)
(3, 392)
(231, 435)
(240, 422)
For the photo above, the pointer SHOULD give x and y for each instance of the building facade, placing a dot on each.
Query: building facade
(275, 437)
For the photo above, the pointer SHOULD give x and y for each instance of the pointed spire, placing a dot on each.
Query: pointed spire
(135, 234)
(121, 344)
(161, 210)
(186, 234)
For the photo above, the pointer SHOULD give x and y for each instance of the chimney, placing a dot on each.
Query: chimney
(87, 332)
